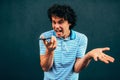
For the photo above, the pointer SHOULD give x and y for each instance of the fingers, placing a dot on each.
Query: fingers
(53, 42)
(98, 54)
(44, 40)
(109, 58)
(50, 45)
(105, 49)
(95, 58)
(105, 58)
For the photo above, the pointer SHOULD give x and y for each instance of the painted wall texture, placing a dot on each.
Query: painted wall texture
(22, 21)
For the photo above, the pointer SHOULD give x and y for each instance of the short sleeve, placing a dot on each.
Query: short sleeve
(41, 47)
(81, 49)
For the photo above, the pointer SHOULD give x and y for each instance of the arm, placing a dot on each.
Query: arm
(81, 63)
(96, 54)
(46, 61)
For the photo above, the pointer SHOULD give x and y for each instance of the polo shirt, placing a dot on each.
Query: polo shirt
(65, 54)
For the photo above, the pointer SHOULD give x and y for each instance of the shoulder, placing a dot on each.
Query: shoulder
(47, 33)
(81, 38)
(80, 35)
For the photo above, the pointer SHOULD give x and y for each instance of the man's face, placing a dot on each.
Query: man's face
(60, 26)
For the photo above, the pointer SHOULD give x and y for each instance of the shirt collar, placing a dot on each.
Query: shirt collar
(71, 37)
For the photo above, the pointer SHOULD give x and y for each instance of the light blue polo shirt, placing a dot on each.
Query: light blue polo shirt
(65, 54)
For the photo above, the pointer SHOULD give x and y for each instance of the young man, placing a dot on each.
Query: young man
(63, 56)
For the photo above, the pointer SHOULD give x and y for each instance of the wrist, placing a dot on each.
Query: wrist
(89, 55)
(49, 51)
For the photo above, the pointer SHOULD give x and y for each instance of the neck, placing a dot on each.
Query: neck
(67, 34)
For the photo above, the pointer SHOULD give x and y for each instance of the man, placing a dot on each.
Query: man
(62, 56)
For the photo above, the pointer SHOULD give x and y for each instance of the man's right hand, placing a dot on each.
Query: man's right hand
(51, 45)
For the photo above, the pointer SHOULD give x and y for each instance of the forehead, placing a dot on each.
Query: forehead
(55, 18)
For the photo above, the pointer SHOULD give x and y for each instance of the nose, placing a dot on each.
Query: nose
(56, 25)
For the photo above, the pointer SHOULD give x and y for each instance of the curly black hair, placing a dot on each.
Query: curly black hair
(63, 11)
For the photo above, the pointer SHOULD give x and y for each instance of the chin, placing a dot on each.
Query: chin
(59, 36)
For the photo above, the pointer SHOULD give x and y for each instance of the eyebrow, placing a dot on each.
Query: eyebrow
(61, 20)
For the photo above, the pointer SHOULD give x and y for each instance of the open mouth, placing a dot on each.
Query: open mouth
(58, 33)
(58, 30)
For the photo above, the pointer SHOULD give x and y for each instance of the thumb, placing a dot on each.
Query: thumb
(95, 58)
(106, 49)
(44, 40)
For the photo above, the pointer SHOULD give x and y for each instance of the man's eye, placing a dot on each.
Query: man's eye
(60, 22)
(53, 22)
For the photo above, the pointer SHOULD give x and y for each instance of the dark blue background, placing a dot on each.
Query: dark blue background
(22, 21)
